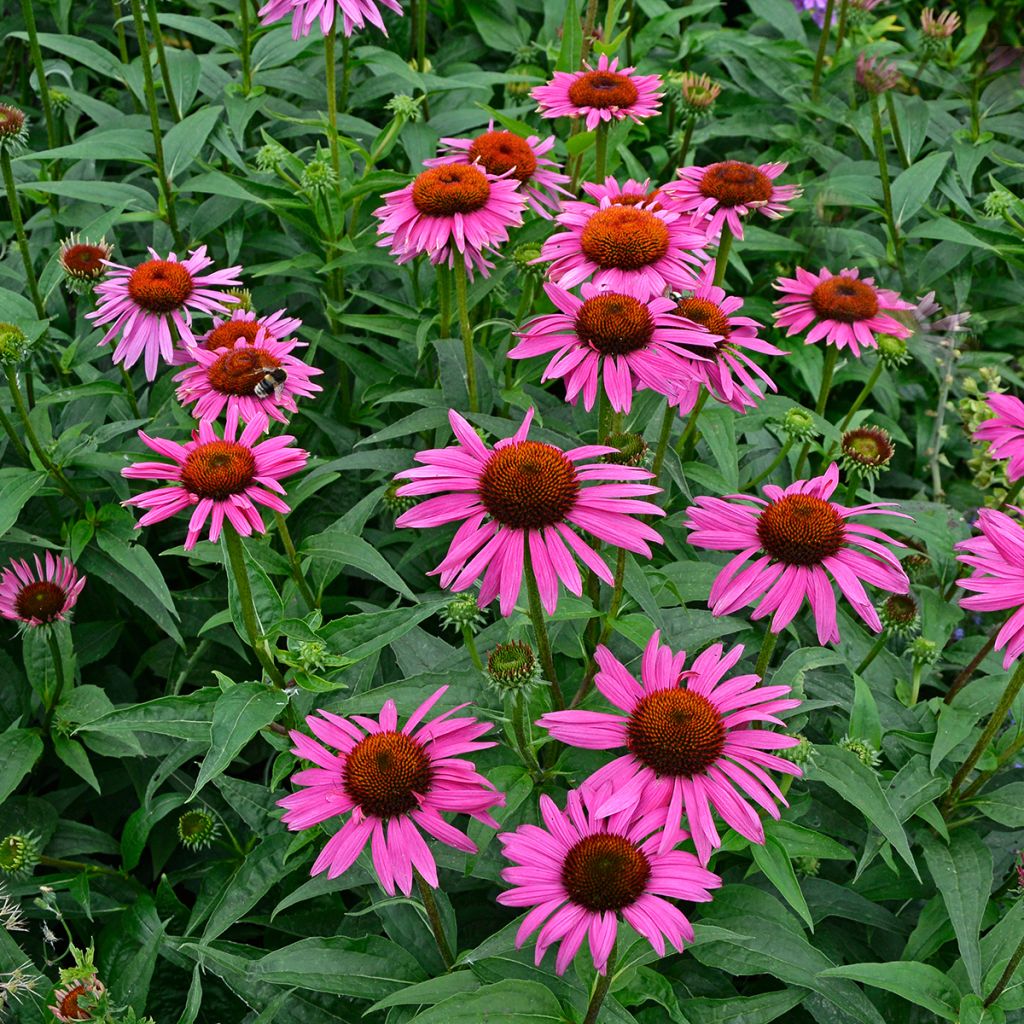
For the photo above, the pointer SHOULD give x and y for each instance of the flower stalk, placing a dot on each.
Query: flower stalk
(541, 632)
(161, 58)
(434, 915)
(604, 983)
(19, 233)
(293, 560)
(37, 64)
(466, 330)
(819, 59)
(883, 171)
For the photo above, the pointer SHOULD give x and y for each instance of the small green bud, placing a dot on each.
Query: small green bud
(312, 655)
(799, 424)
(197, 828)
(405, 107)
(240, 298)
(19, 854)
(899, 614)
(318, 176)
(998, 203)
(866, 451)
(924, 652)
(14, 344)
(632, 450)
(892, 350)
(807, 866)
(802, 753)
(13, 128)
(512, 667)
(866, 753)
(462, 612)
(526, 78)
(394, 502)
(270, 156)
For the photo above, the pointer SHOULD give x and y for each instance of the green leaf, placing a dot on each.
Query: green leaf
(184, 142)
(427, 993)
(962, 872)
(759, 1009)
(16, 487)
(185, 718)
(774, 862)
(139, 824)
(19, 751)
(94, 389)
(195, 995)
(77, 48)
(238, 715)
(571, 53)
(348, 549)
(912, 188)
(505, 1002)
(359, 636)
(865, 722)
(73, 754)
(1004, 805)
(922, 984)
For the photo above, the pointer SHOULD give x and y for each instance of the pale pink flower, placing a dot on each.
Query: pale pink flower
(525, 496)
(876, 74)
(392, 783)
(46, 595)
(799, 541)
(582, 871)
(354, 14)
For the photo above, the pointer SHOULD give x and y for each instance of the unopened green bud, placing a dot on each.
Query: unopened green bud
(892, 350)
(865, 752)
(512, 667)
(632, 450)
(197, 828)
(799, 424)
(899, 614)
(13, 344)
(462, 612)
(19, 854)
(924, 652)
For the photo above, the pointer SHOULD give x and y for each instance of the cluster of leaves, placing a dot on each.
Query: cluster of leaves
(872, 900)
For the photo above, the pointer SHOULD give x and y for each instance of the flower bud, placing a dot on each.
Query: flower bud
(82, 262)
(13, 128)
(867, 754)
(866, 451)
(394, 502)
(19, 854)
(463, 612)
(197, 828)
(14, 344)
(512, 667)
(632, 450)
(899, 615)
(924, 652)
(270, 156)
(892, 350)
(799, 424)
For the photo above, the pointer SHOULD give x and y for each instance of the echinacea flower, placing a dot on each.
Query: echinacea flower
(642, 249)
(13, 128)
(217, 477)
(997, 584)
(1005, 432)
(939, 26)
(143, 303)
(629, 193)
(697, 94)
(354, 14)
(455, 208)
(243, 323)
(846, 310)
(501, 152)
(799, 541)
(691, 741)
(727, 372)
(582, 871)
(876, 75)
(75, 1002)
(627, 342)
(866, 451)
(728, 191)
(521, 500)
(38, 598)
(392, 783)
(83, 262)
(259, 379)
(600, 95)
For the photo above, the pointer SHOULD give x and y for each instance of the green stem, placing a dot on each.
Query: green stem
(444, 300)
(819, 59)
(1007, 976)
(994, 724)
(589, 20)
(294, 561)
(1007, 755)
(465, 328)
(122, 38)
(77, 865)
(13, 435)
(669, 417)
(776, 462)
(883, 171)
(688, 441)
(161, 58)
(430, 904)
(154, 123)
(600, 151)
(518, 713)
(421, 51)
(684, 147)
(346, 72)
(37, 62)
(604, 982)
(841, 29)
(331, 86)
(618, 588)
(541, 632)
(129, 389)
(470, 641)
(876, 649)
(964, 677)
(243, 8)
(58, 669)
(865, 391)
(852, 486)
(19, 233)
(827, 371)
(894, 127)
(765, 656)
(915, 683)
(722, 256)
(1011, 494)
(258, 643)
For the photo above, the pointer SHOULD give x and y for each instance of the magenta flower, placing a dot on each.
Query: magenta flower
(354, 14)
(875, 74)
(803, 541)
(217, 478)
(726, 192)
(526, 496)
(258, 379)
(602, 94)
(382, 775)
(41, 597)
(642, 249)
(448, 209)
(584, 870)
(997, 558)
(728, 373)
(627, 342)
(500, 153)
(845, 309)
(690, 739)
(630, 193)
(143, 303)
(245, 323)
(1005, 432)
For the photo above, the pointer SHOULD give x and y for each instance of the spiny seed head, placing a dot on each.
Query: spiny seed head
(197, 828)
(864, 751)
(405, 107)
(14, 344)
(318, 176)
(512, 667)
(394, 502)
(19, 854)
(11, 917)
(924, 652)
(13, 128)
(270, 156)
(462, 612)
(799, 424)
(312, 655)
(899, 614)
(892, 350)
(866, 451)
(632, 450)
(998, 203)
(802, 753)
(807, 866)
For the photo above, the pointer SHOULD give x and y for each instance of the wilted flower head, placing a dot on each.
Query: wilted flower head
(11, 917)
(13, 128)
(866, 451)
(940, 26)
(83, 261)
(512, 667)
(876, 75)
(13, 344)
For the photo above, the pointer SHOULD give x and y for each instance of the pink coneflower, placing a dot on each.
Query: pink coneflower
(521, 499)
(876, 75)
(997, 558)
(502, 152)
(939, 26)
(583, 871)
(453, 208)
(217, 478)
(643, 250)
(729, 374)
(403, 778)
(690, 739)
(1005, 432)
(629, 193)
(41, 597)
(726, 192)
(602, 94)
(354, 14)
(143, 303)
(802, 541)
(845, 309)
(244, 324)
(627, 342)
(83, 262)
(76, 1002)
(259, 379)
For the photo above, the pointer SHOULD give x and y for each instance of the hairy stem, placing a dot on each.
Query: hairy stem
(19, 233)
(540, 630)
(466, 328)
(161, 58)
(433, 914)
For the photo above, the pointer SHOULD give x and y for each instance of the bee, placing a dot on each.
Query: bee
(271, 381)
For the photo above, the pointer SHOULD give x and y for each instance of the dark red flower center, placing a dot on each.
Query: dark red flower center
(867, 446)
(708, 314)
(603, 89)
(226, 334)
(624, 237)
(733, 183)
(502, 151)
(614, 324)
(218, 469)
(386, 772)
(528, 485)
(605, 872)
(84, 260)
(845, 299)
(69, 1008)
(12, 120)
(676, 732)
(41, 600)
(238, 371)
(160, 286)
(636, 198)
(800, 529)
(453, 188)
(901, 609)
